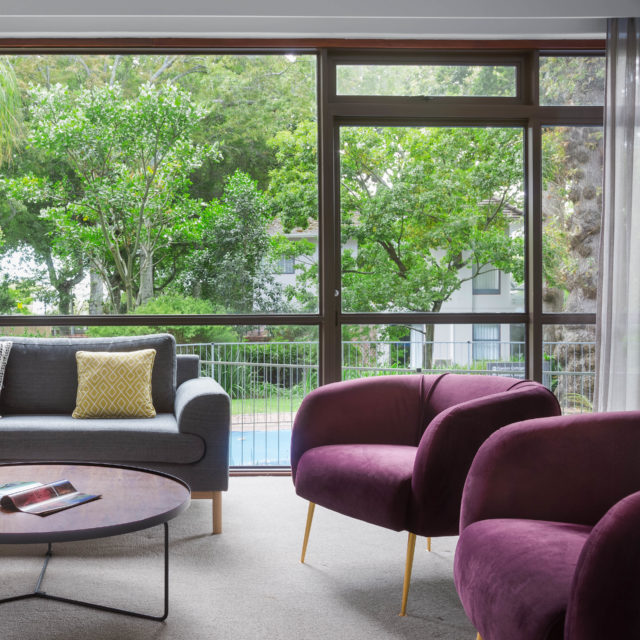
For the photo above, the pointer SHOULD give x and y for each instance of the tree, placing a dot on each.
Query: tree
(173, 304)
(127, 199)
(10, 105)
(428, 207)
(230, 267)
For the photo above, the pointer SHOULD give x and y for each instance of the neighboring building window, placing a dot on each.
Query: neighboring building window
(286, 265)
(487, 281)
(486, 342)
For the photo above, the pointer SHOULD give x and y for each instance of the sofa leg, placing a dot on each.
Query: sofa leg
(307, 529)
(216, 503)
(411, 547)
(429, 543)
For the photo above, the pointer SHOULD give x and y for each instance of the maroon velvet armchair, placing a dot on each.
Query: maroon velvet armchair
(395, 450)
(549, 547)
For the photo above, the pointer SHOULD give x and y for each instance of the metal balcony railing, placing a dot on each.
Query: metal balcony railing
(267, 381)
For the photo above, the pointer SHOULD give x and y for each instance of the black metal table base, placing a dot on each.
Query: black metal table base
(37, 593)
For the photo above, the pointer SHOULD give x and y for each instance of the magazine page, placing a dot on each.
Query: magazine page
(20, 485)
(45, 499)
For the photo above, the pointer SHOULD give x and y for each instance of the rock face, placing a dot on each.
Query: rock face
(572, 208)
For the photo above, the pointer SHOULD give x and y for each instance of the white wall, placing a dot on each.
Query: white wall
(317, 18)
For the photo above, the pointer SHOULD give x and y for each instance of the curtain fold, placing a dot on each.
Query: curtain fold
(618, 312)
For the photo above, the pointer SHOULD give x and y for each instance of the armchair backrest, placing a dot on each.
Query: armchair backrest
(469, 409)
(564, 469)
(451, 389)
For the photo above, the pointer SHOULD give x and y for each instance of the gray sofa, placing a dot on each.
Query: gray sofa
(188, 438)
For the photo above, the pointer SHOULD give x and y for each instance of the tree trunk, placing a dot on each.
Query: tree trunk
(427, 348)
(146, 277)
(584, 158)
(96, 293)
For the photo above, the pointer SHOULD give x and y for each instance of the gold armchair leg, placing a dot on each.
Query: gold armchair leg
(478, 637)
(312, 507)
(411, 547)
(429, 543)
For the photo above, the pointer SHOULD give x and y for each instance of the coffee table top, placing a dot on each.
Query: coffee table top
(132, 499)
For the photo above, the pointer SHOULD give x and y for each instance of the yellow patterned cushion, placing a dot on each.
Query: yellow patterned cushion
(114, 384)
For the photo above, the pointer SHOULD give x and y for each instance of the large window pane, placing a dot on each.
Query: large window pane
(425, 212)
(572, 80)
(570, 365)
(427, 80)
(490, 349)
(571, 217)
(159, 184)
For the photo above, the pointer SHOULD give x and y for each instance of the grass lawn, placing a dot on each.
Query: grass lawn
(264, 405)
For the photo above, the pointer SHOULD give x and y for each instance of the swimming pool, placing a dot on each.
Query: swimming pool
(260, 448)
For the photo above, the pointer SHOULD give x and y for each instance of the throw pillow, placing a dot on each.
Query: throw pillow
(114, 384)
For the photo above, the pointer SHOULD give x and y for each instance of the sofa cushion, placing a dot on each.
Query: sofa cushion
(350, 478)
(114, 385)
(514, 576)
(61, 437)
(42, 375)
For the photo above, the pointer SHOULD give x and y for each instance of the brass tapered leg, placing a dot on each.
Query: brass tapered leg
(429, 545)
(312, 507)
(411, 547)
(478, 637)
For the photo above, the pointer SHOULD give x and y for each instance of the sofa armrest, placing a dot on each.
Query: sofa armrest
(606, 587)
(563, 469)
(203, 408)
(451, 441)
(377, 410)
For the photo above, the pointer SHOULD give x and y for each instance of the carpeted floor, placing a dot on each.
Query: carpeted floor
(246, 584)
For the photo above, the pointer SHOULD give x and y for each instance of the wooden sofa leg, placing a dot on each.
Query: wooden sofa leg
(216, 504)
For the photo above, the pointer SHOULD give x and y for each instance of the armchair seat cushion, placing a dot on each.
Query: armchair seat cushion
(125, 440)
(514, 576)
(371, 482)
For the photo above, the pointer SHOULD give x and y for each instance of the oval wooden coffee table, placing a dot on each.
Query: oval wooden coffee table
(132, 499)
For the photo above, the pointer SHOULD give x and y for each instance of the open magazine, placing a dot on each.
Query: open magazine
(42, 499)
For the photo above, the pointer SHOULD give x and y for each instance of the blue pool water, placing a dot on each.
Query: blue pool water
(260, 448)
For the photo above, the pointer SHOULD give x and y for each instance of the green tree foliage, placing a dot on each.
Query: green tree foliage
(10, 106)
(238, 104)
(127, 198)
(424, 205)
(173, 304)
(231, 265)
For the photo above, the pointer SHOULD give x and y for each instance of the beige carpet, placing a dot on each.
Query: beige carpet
(245, 584)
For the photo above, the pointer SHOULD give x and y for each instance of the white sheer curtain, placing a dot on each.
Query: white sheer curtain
(618, 329)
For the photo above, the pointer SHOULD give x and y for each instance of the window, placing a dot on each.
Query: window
(443, 218)
(444, 80)
(286, 265)
(420, 208)
(486, 280)
(486, 342)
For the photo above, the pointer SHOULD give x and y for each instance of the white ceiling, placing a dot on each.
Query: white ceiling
(307, 19)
